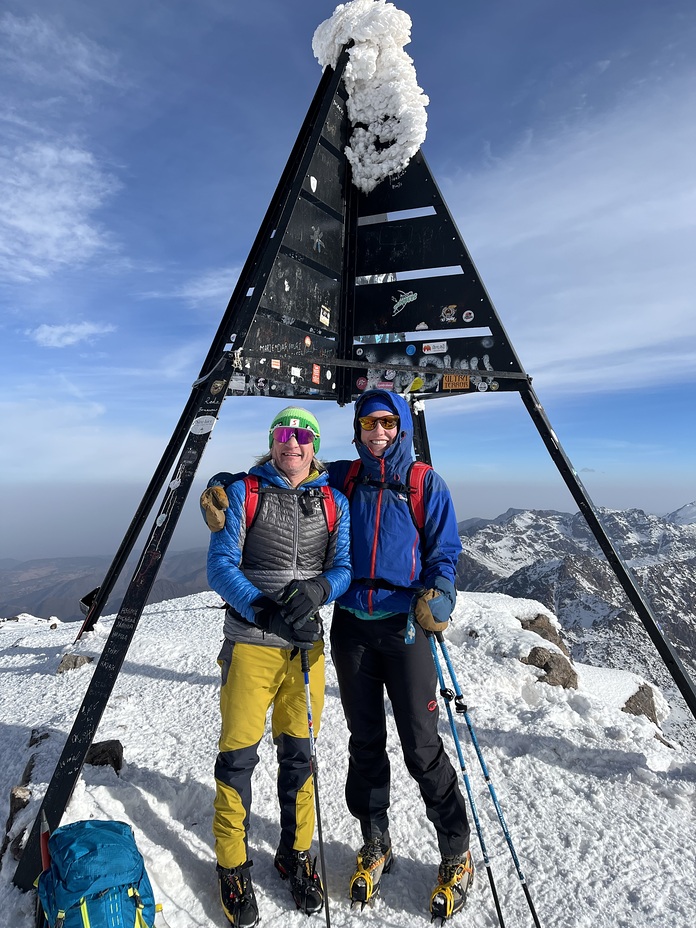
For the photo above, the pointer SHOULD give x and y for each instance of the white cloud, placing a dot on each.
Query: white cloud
(51, 183)
(211, 289)
(38, 52)
(62, 336)
(49, 194)
(585, 240)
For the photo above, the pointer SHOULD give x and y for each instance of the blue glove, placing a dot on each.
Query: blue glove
(433, 607)
(442, 605)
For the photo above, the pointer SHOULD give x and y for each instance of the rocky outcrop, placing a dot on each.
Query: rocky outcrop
(556, 667)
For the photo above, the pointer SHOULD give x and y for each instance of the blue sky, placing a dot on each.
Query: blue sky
(141, 143)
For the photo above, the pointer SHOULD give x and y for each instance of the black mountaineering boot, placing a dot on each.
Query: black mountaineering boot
(305, 883)
(237, 896)
(454, 879)
(374, 859)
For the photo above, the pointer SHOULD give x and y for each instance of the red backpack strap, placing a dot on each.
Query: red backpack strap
(351, 476)
(251, 499)
(414, 480)
(329, 501)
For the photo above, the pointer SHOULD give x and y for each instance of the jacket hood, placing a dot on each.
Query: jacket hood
(398, 456)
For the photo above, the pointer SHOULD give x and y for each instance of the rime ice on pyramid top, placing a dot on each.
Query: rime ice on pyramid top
(386, 106)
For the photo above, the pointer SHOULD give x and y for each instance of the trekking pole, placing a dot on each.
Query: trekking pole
(460, 706)
(304, 658)
(447, 696)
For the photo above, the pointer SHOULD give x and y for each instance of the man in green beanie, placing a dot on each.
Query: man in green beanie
(278, 551)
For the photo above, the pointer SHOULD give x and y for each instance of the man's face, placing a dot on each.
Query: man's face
(379, 438)
(292, 459)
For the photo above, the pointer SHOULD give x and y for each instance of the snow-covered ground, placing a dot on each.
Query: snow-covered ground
(602, 813)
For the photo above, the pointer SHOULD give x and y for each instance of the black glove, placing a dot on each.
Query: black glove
(269, 618)
(302, 598)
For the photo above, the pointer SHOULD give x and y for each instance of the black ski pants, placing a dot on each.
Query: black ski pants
(371, 656)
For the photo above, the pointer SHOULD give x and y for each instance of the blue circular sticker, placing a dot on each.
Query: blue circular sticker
(410, 349)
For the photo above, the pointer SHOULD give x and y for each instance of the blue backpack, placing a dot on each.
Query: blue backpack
(96, 878)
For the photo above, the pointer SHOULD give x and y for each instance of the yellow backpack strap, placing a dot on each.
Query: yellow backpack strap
(139, 906)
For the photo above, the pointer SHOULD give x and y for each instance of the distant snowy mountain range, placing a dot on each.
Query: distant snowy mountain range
(553, 557)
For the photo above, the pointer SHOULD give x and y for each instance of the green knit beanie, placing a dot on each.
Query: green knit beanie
(298, 417)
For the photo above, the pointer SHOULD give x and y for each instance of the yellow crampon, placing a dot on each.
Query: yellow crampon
(364, 884)
(361, 886)
(449, 894)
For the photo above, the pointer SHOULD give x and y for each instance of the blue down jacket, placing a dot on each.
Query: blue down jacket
(386, 545)
(227, 574)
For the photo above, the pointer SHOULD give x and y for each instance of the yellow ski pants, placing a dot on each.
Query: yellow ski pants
(254, 679)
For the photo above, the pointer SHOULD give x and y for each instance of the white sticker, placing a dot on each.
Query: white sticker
(296, 371)
(324, 315)
(202, 425)
(434, 347)
(313, 183)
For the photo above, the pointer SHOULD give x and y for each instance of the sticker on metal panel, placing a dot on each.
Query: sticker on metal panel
(455, 382)
(361, 383)
(324, 315)
(316, 373)
(468, 316)
(404, 298)
(308, 341)
(434, 347)
(202, 425)
(384, 385)
(216, 386)
(449, 313)
(275, 364)
(410, 350)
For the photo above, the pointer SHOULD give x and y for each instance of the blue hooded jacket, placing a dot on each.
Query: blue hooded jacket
(386, 545)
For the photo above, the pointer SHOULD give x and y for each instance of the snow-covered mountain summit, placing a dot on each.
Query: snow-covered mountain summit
(686, 515)
(600, 808)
